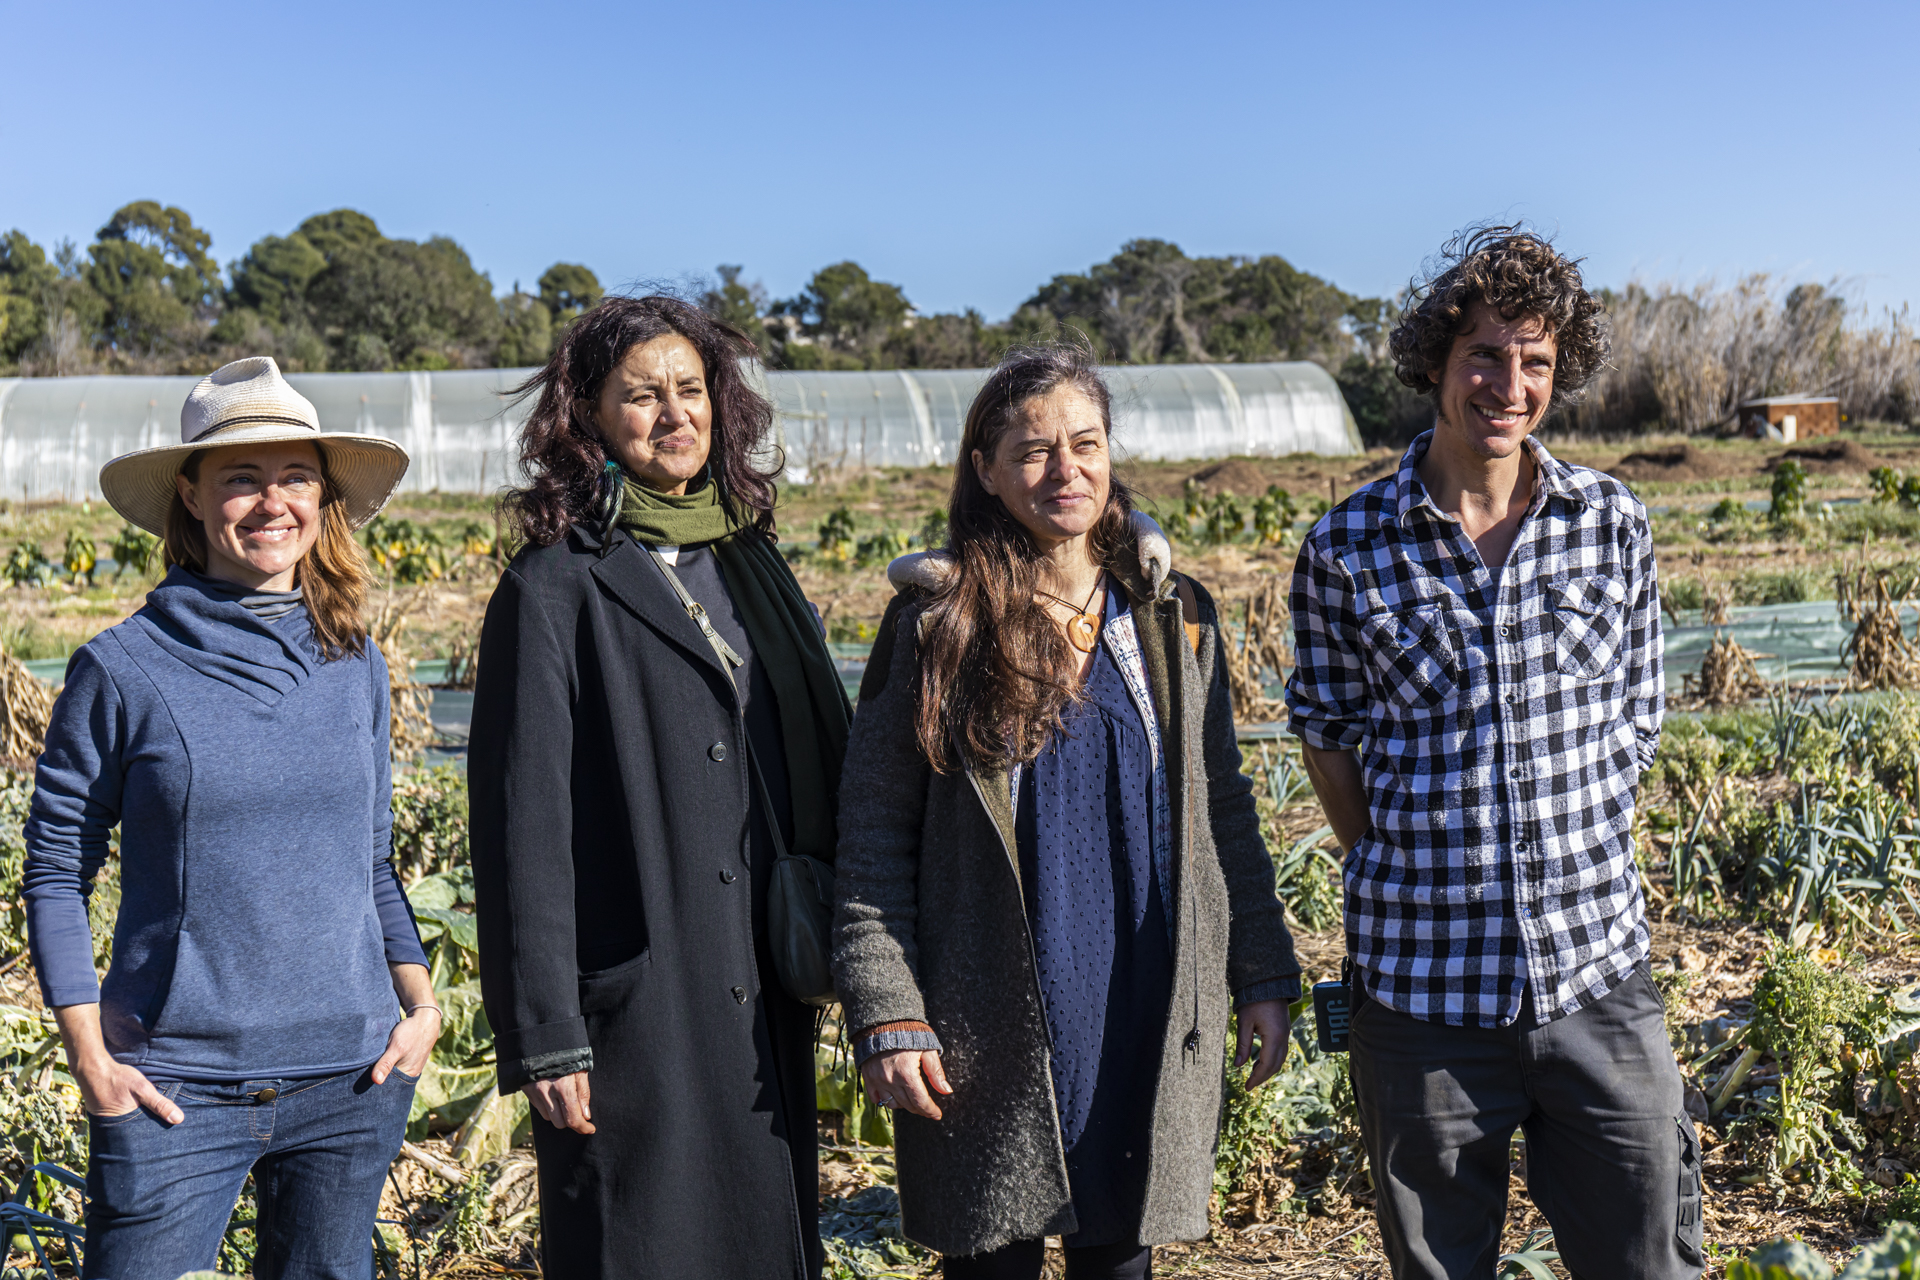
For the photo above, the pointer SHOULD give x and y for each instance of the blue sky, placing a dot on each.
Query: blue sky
(969, 152)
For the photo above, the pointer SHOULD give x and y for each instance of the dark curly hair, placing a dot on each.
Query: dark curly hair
(1518, 273)
(561, 450)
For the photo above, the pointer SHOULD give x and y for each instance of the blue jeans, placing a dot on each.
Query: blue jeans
(160, 1195)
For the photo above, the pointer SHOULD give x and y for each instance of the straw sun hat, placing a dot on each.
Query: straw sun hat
(248, 402)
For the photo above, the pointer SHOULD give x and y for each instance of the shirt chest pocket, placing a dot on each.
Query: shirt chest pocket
(1587, 626)
(1412, 658)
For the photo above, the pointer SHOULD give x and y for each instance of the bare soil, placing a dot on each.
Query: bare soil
(1836, 457)
(1684, 463)
(1680, 463)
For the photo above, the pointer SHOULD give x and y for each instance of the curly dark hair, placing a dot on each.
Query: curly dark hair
(561, 450)
(1519, 273)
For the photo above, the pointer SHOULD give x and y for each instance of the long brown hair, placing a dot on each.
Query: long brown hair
(562, 452)
(333, 577)
(995, 673)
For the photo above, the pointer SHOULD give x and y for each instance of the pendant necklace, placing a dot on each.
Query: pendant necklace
(1083, 628)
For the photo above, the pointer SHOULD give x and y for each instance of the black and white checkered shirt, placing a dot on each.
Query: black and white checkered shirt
(1503, 724)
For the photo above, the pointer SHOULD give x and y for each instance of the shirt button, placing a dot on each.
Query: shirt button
(726, 877)
(1526, 913)
(718, 751)
(739, 995)
(1506, 631)
(1520, 847)
(1512, 698)
(1519, 773)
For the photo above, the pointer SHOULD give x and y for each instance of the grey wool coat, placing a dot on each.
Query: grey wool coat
(931, 927)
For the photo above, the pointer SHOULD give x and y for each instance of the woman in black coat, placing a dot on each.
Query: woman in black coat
(621, 843)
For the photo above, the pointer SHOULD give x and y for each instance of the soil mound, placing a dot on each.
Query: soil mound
(1235, 476)
(1680, 462)
(1837, 457)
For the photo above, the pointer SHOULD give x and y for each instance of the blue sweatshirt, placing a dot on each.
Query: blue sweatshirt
(250, 780)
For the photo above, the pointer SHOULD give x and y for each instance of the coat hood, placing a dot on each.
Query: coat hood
(929, 570)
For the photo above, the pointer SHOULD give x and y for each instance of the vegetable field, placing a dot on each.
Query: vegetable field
(1777, 840)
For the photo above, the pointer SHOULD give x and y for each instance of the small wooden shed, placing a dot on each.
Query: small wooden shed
(1791, 418)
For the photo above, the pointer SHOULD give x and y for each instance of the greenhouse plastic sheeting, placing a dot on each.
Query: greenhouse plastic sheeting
(913, 417)
(1788, 641)
(1797, 642)
(459, 426)
(56, 432)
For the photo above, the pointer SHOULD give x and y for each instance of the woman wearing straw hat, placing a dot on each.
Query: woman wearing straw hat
(268, 1007)
(637, 764)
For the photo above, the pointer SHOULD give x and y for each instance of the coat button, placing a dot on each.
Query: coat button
(718, 751)
(739, 995)
(726, 877)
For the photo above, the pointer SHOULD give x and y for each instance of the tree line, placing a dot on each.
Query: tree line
(335, 293)
(147, 296)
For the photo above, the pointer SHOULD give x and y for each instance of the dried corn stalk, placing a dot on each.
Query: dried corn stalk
(1853, 585)
(463, 665)
(412, 726)
(1881, 655)
(1727, 674)
(1713, 607)
(1263, 646)
(28, 706)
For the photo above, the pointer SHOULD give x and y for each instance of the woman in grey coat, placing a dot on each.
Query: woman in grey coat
(1052, 882)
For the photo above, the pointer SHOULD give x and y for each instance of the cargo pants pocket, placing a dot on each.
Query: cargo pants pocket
(1688, 1227)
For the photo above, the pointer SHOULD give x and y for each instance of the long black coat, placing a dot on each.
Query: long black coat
(621, 907)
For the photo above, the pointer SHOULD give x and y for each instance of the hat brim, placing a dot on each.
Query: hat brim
(362, 471)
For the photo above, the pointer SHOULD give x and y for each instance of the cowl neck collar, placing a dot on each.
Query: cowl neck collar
(202, 623)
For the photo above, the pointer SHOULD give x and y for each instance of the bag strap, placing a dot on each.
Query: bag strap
(721, 649)
(728, 661)
(1189, 610)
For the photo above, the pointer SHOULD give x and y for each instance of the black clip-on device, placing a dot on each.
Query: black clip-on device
(1333, 1009)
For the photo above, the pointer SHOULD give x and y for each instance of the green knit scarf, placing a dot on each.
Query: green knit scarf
(814, 713)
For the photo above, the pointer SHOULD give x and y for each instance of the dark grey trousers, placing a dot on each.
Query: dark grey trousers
(1612, 1160)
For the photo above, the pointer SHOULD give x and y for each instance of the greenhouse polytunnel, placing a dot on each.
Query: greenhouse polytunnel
(459, 425)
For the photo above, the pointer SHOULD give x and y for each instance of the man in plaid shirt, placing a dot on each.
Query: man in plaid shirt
(1483, 628)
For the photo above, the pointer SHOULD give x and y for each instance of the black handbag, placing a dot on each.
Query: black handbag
(800, 899)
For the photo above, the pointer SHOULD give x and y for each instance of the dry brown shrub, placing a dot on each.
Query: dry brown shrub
(463, 664)
(412, 726)
(1727, 675)
(1714, 604)
(26, 705)
(1881, 655)
(1267, 625)
(1691, 356)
